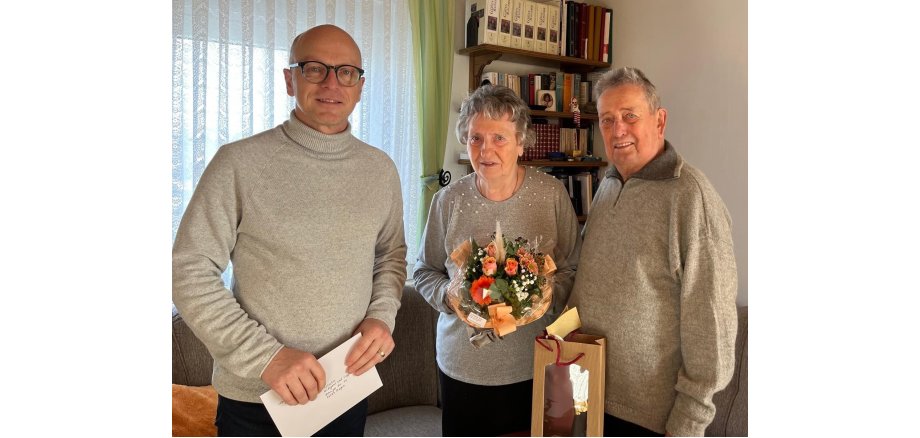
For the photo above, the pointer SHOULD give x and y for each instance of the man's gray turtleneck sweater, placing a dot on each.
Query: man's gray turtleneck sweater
(313, 224)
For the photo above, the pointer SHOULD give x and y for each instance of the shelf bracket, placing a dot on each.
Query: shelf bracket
(478, 63)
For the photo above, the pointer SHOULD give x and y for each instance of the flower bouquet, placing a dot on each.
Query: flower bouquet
(502, 285)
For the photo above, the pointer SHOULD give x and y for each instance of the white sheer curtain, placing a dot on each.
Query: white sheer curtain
(227, 78)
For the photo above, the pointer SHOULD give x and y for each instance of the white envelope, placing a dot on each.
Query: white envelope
(341, 393)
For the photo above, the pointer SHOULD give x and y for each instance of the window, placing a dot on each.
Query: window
(228, 84)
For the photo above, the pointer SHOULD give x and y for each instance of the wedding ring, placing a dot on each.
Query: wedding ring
(381, 353)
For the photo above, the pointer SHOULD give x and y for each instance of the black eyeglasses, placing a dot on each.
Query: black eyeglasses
(316, 72)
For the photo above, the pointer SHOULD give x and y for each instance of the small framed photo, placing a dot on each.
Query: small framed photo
(547, 98)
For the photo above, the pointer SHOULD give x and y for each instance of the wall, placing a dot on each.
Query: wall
(696, 54)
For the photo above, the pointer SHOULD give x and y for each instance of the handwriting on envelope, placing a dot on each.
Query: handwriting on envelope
(341, 393)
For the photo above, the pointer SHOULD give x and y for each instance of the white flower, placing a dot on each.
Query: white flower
(521, 296)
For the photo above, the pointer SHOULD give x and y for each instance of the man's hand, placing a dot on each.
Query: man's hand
(373, 347)
(295, 375)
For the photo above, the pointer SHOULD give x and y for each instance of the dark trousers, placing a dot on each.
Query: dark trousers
(238, 418)
(614, 426)
(477, 410)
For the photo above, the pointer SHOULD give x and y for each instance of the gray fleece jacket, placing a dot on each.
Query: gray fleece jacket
(540, 209)
(314, 253)
(657, 278)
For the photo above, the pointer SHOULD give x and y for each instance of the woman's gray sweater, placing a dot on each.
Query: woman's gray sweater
(540, 211)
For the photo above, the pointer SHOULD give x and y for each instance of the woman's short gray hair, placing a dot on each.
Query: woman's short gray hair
(628, 76)
(496, 102)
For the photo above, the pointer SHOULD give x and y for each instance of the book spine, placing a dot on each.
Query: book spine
(524, 87)
(583, 31)
(537, 86)
(560, 98)
(576, 195)
(570, 182)
(570, 29)
(592, 26)
(546, 144)
(529, 25)
(576, 86)
(552, 17)
(567, 91)
(535, 149)
(504, 23)
(605, 46)
(586, 192)
(598, 30)
(535, 155)
(554, 138)
(517, 24)
(540, 42)
(563, 23)
(610, 37)
(589, 30)
(546, 141)
(490, 25)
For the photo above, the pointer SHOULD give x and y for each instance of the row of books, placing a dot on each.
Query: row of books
(581, 190)
(557, 27)
(587, 31)
(554, 90)
(555, 138)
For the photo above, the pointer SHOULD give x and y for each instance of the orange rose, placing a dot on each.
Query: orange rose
(489, 265)
(490, 249)
(511, 267)
(478, 290)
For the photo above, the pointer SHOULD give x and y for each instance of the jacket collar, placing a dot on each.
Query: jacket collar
(665, 166)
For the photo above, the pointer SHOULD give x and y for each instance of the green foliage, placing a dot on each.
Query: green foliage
(499, 291)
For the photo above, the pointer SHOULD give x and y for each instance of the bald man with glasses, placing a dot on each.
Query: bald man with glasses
(316, 258)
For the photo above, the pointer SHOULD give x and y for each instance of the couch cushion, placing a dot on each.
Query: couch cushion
(731, 402)
(191, 361)
(410, 373)
(410, 421)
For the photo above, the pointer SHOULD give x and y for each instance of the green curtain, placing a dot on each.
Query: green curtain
(433, 40)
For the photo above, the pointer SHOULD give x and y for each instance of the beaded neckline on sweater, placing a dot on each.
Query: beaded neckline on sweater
(520, 175)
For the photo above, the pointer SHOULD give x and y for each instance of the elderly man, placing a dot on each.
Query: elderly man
(315, 258)
(657, 273)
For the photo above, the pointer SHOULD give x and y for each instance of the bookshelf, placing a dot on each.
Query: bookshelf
(483, 55)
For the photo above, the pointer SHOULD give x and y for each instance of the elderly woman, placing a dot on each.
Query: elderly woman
(487, 390)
